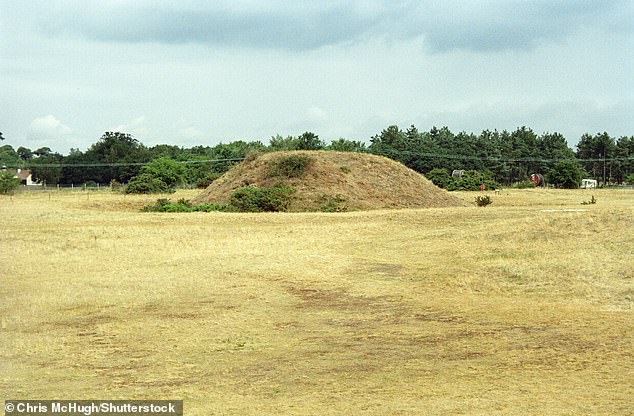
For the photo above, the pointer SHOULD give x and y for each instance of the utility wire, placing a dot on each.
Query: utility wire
(383, 153)
(498, 159)
(114, 164)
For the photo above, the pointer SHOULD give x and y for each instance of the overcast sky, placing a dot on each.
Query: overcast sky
(201, 72)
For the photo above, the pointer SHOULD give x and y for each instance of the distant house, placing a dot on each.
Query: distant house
(25, 176)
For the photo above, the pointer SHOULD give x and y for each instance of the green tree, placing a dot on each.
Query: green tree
(624, 153)
(309, 141)
(565, 174)
(120, 152)
(439, 176)
(553, 146)
(595, 152)
(170, 172)
(492, 145)
(74, 174)
(46, 168)
(525, 149)
(24, 153)
(9, 157)
(225, 156)
(165, 150)
(159, 176)
(42, 151)
(278, 143)
(445, 142)
(8, 183)
(345, 145)
(391, 142)
(418, 146)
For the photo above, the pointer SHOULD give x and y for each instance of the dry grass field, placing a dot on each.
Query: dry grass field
(482, 311)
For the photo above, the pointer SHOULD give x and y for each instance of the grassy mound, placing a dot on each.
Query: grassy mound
(332, 181)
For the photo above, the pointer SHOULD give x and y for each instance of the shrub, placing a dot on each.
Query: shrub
(592, 201)
(159, 206)
(145, 183)
(184, 205)
(332, 204)
(471, 181)
(164, 205)
(213, 207)
(158, 176)
(565, 174)
(115, 185)
(439, 177)
(185, 202)
(8, 184)
(170, 172)
(289, 166)
(252, 154)
(242, 200)
(630, 178)
(483, 200)
(252, 199)
(208, 179)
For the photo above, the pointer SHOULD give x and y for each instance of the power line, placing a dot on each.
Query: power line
(114, 164)
(498, 159)
(383, 153)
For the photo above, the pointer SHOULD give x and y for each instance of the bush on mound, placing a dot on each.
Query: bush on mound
(329, 181)
(252, 199)
(249, 199)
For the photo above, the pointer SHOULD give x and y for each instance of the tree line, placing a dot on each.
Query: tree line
(507, 157)
(504, 157)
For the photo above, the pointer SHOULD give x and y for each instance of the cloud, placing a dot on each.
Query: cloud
(316, 114)
(47, 129)
(279, 25)
(190, 133)
(483, 25)
(497, 25)
(51, 132)
(136, 127)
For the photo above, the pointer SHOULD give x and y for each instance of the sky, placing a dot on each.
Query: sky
(204, 72)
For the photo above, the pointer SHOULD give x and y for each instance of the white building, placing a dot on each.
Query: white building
(25, 176)
(588, 183)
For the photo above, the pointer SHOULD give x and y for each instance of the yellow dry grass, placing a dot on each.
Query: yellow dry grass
(497, 310)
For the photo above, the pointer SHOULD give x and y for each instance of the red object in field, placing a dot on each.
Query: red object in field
(537, 179)
(483, 187)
